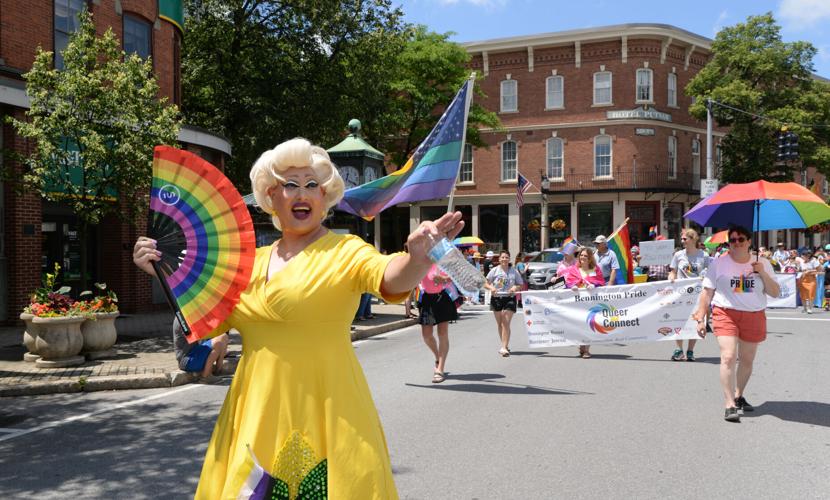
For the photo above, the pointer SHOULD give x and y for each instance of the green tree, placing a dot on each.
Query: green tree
(93, 125)
(430, 71)
(771, 81)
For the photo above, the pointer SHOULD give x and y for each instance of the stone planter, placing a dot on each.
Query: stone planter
(99, 336)
(29, 336)
(58, 341)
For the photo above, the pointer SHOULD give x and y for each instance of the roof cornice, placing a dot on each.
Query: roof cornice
(598, 34)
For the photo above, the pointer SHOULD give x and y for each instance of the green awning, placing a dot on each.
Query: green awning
(173, 11)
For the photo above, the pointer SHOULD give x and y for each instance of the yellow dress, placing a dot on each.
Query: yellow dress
(298, 420)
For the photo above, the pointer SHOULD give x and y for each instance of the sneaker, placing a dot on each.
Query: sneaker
(677, 355)
(731, 415)
(743, 404)
(690, 355)
(809, 311)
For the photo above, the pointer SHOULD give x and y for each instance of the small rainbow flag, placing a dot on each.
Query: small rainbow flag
(620, 243)
(652, 231)
(568, 240)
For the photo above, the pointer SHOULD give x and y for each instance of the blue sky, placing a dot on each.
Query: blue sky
(473, 20)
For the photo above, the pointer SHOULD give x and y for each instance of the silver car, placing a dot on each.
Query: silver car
(541, 270)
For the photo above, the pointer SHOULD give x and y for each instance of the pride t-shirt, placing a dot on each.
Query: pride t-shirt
(736, 286)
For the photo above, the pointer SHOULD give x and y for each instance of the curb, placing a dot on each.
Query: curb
(371, 331)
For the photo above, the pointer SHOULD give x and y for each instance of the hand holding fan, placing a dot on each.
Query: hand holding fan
(205, 234)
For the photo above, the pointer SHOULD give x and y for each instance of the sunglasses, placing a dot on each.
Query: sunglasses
(739, 239)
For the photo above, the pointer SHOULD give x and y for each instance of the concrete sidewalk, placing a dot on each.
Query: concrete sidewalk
(144, 357)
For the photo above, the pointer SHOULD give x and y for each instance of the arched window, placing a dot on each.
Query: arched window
(509, 96)
(555, 92)
(555, 158)
(509, 161)
(602, 156)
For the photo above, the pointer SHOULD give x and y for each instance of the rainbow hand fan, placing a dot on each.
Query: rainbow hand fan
(205, 234)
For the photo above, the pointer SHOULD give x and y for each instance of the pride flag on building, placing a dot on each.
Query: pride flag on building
(430, 172)
(620, 243)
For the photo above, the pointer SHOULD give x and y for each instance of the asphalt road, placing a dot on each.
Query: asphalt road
(627, 423)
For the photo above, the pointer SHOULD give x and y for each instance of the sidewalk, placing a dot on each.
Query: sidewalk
(144, 357)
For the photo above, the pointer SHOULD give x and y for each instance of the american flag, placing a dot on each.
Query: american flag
(522, 187)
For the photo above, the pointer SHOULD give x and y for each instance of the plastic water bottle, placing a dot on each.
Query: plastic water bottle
(466, 277)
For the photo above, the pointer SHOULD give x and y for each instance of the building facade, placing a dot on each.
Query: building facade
(34, 234)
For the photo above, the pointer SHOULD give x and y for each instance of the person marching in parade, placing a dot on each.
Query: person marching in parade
(504, 281)
(437, 309)
(586, 273)
(691, 262)
(737, 286)
(298, 419)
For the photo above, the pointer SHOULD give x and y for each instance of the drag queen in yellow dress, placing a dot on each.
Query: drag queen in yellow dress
(298, 420)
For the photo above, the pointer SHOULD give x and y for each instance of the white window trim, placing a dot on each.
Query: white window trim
(547, 92)
(501, 96)
(637, 99)
(472, 180)
(610, 158)
(610, 89)
(671, 78)
(501, 162)
(672, 152)
(696, 156)
(548, 157)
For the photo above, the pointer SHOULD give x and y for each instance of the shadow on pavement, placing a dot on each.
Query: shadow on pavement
(805, 412)
(494, 387)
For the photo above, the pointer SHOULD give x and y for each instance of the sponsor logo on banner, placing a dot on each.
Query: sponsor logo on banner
(603, 318)
(664, 330)
(527, 311)
(528, 301)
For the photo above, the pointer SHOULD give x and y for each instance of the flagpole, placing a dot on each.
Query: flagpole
(471, 84)
(619, 228)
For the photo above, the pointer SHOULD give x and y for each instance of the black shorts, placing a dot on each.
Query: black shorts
(507, 302)
(436, 308)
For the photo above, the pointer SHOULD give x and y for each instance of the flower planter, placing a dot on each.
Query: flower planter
(99, 336)
(29, 336)
(58, 341)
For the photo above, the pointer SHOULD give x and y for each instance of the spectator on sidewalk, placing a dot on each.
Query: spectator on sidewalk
(204, 357)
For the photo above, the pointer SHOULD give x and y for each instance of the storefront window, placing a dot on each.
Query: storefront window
(594, 219)
(674, 220)
(492, 226)
(531, 226)
(558, 215)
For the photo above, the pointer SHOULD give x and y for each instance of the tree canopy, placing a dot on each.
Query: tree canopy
(770, 84)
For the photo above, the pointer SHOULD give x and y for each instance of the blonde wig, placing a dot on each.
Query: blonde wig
(298, 152)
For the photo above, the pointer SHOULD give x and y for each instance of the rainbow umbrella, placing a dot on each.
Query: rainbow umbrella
(717, 238)
(761, 206)
(467, 241)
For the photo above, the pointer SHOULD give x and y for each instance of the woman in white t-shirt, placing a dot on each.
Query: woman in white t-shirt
(808, 266)
(503, 282)
(691, 262)
(737, 286)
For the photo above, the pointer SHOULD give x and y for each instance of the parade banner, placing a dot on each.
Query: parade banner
(656, 253)
(643, 312)
(789, 292)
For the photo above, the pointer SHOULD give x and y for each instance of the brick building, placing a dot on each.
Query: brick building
(34, 234)
(599, 119)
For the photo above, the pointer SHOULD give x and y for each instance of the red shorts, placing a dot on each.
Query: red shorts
(749, 326)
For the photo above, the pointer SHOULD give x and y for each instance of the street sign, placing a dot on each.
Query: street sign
(708, 187)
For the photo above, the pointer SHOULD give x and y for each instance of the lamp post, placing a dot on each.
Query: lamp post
(543, 231)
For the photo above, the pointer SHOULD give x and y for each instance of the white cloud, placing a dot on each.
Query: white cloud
(719, 22)
(799, 14)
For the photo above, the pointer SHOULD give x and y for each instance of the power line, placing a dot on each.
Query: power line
(776, 120)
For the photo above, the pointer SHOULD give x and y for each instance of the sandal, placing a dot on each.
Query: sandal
(586, 354)
(504, 352)
(437, 377)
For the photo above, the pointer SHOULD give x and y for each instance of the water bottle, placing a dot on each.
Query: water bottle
(466, 277)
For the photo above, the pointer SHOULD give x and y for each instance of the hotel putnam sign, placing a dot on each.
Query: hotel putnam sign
(638, 114)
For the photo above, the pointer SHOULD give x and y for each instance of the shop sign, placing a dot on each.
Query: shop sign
(640, 113)
(74, 170)
(644, 131)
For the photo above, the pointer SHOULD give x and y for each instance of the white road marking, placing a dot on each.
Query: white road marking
(797, 319)
(22, 432)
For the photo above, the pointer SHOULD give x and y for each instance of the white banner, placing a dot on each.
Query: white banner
(656, 253)
(788, 291)
(642, 312)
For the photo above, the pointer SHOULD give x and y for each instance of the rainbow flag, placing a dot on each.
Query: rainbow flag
(430, 172)
(568, 240)
(620, 243)
(652, 231)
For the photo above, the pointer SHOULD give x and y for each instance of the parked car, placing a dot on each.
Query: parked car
(541, 270)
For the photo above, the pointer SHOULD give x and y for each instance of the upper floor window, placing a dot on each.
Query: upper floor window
(695, 156)
(644, 85)
(509, 161)
(555, 92)
(509, 95)
(465, 173)
(602, 156)
(672, 157)
(66, 23)
(825, 187)
(602, 87)
(555, 158)
(672, 87)
(137, 36)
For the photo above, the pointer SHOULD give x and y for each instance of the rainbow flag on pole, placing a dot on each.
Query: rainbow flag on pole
(430, 172)
(620, 243)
